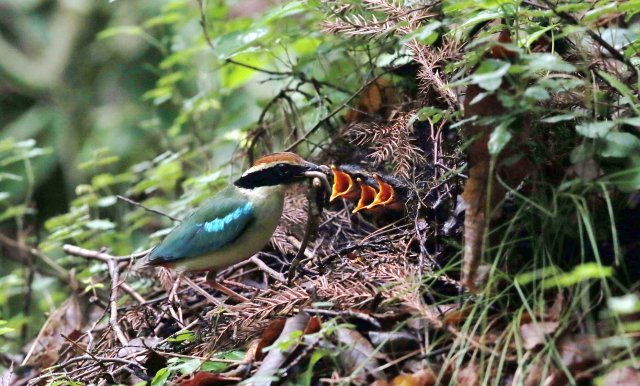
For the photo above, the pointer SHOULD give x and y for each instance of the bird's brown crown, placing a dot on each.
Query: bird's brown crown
(283, 157)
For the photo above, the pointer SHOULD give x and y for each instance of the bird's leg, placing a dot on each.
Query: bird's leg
(316, 197)
(173, 294)
(213, 283)
(174, 301)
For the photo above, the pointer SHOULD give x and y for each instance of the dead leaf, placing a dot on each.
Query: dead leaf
(578, 356)
(534, 375)
(358, 351)
(8, 378)
(203, 378)
(577, 352)
(66, 321)
(623, 376)
(555, 311)
(534, 334)
(269, 335)
(378, 95)
(267, 371)
(395, 342)
(499, 51)
(469, 375)
(424, 377)
(313, 326)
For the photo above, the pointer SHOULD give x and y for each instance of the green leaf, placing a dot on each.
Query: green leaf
(548, 62)
(583, 152)
(633, 121)
(4, 329)
(535, 275)
(185, 336)
(183, 366)
(623, 89)
(102, 161)
(236, 42)
(121, 30)
(582, 272)
(628, 180)
(306, 378)
(426, 34)
(234, 76)
(562, 117)
(594, 14)
(499, 137)
(217, 367)
(620, 145)
(428, 112)
(15, 211)
(489, 74)
(532, 38)
(536, 93)
(161, 377)
(595, 129)
(164, 19)
(493, 14)
(100, 225)
(286, 10)
(626, 304)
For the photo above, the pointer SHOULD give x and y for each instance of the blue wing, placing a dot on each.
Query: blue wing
(217, 223)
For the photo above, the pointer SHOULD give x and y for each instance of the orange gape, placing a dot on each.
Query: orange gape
(371, 192)
(343, 186)
(367, 195)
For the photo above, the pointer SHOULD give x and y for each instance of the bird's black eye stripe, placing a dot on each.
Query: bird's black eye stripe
(281, 173)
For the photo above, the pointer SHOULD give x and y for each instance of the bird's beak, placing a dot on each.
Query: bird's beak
(343, 185)
(367, 196)
(313, 171)
(310, 167)
(385, 196)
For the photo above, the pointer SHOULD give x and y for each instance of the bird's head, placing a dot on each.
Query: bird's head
(277, 169)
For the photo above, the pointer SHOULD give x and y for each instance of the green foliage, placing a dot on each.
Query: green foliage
(154, 108)
(185, 366)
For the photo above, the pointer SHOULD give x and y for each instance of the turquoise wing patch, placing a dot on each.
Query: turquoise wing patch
(209, 229)
(219, 224)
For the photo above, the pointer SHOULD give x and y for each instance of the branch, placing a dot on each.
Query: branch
(266, 269)
(270, 72)
(101, 256)
(570, 19)
(107, 258)
(135, 203)
(314, 210)
(203, 24)
(327, 117)
(57, 272)
(113, 300)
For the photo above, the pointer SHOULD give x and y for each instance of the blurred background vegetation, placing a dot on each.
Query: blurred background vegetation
(102, 98)
(164, 101)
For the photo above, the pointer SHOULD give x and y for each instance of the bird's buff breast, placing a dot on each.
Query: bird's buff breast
(268, 203)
